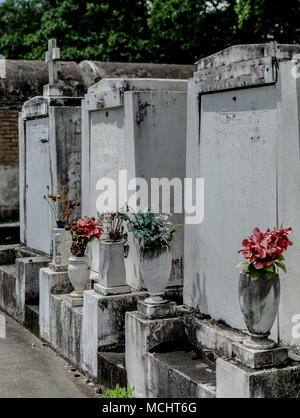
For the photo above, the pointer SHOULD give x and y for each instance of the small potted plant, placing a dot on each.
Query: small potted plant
(83, 232)
(154, 234)
(259, 284)
(113, 248)
(62, 209)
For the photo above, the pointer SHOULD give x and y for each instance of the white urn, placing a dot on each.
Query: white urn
(155, 268)
(79, 273)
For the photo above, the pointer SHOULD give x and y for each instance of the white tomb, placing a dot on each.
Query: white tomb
(50, 155)
(243, 139)
(138, 125)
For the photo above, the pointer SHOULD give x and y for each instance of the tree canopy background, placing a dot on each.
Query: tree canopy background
(170, 31)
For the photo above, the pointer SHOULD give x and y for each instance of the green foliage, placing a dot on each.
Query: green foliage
(119, 392)
(268, 20)
(267, 272)
(186, 30)
(105, 30)
(180, 31)
(150, 229)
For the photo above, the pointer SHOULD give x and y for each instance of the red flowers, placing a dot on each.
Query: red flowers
(263, 250)
(88, 228)
(84, 231)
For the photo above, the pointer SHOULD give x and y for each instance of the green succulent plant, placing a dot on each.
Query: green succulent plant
(150, 229)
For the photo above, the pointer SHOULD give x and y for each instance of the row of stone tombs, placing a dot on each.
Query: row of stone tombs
(153, 129)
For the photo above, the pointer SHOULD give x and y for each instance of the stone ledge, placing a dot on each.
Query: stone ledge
(107, 291)
(235, 380)
(209, 334)
(163, 310)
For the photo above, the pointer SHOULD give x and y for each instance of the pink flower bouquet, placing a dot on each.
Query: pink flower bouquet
(263, 251)
(84, 231)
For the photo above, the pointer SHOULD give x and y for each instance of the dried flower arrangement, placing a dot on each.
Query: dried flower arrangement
(113, 227)
(61, 206)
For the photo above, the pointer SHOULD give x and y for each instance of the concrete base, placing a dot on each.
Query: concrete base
(51, 283)
(8, 289)
(112, 370)
(180, 374)
(107, 291)
(65, 329)
(143, 335)
(259, 359)
(19, 279)
(103, 325)
(72, 301)
(235, 380)
(27, 283)
(162, 310)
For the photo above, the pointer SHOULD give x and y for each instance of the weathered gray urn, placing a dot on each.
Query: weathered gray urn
(259, 302)
(155, 267)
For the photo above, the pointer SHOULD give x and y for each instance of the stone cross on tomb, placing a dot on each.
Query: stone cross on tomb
(52, 55)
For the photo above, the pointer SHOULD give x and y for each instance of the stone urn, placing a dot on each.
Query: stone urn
(155, 268)
(61, 248)
(259, 302)
(112, 271)
(79, 273)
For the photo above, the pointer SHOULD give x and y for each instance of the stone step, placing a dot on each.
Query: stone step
(211, 335)
(111, 369)
(8, 288)
(26, 252)
(32, 319)
(181, 374)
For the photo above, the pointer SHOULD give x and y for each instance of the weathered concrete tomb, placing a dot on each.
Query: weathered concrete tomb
(235, 123)
(50, 154)
(137, 126)
(243, 139)
(25, 80)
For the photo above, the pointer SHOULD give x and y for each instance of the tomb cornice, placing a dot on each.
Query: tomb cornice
(242, 66)
(39, 106)
(109, 93)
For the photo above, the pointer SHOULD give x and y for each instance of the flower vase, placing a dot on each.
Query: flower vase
(259, 302)
(79, 274)
(155, 268)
